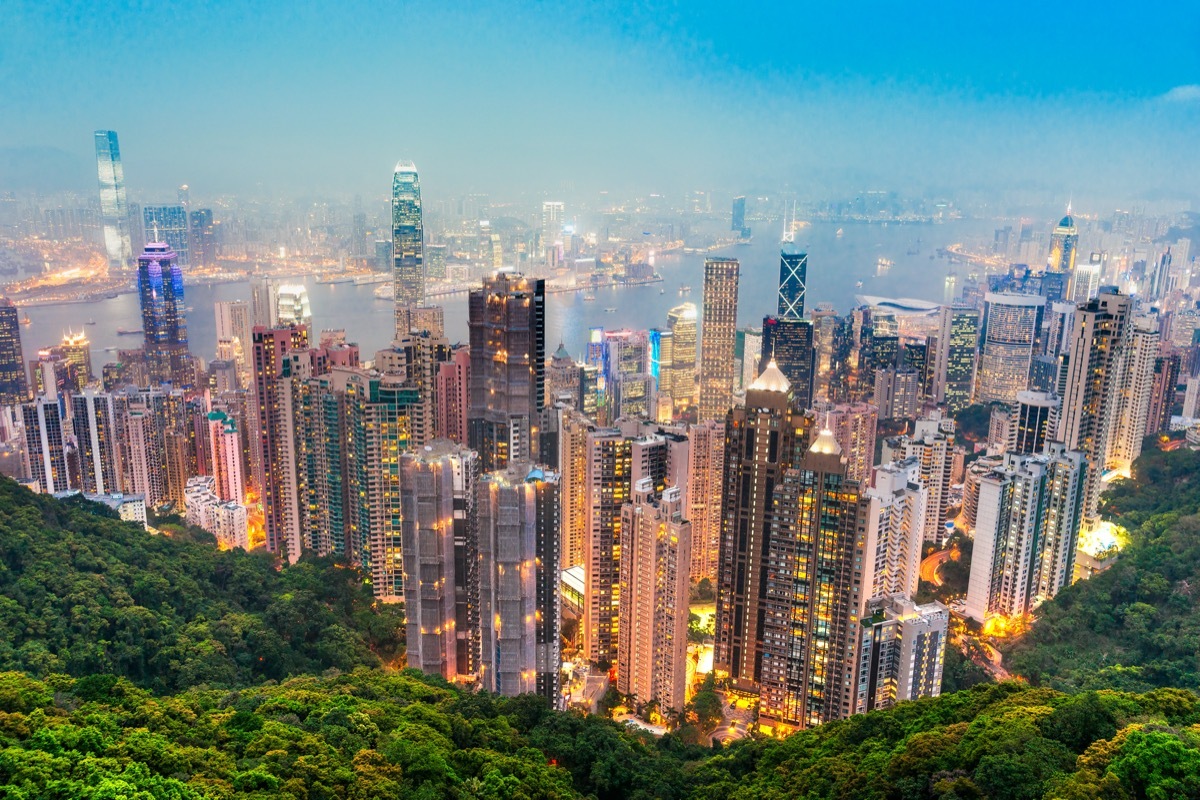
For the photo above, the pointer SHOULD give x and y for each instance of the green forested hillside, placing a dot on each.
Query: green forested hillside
(83, 593)
(378, 735)
(1137, 625)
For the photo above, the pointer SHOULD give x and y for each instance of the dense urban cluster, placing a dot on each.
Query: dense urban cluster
(545, 518)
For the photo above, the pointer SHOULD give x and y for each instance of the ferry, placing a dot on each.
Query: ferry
(684, 289)
(25, 320)
(129, 331)
(858, 285)
(883, 266)
(840, 233)
(376, 277)
(385, 292)
(587, 298)
(90, 322)
(610, 311)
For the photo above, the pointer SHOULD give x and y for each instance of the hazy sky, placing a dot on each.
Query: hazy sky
(1098, 99)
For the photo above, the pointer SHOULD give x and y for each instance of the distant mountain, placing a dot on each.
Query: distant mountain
(44, 170)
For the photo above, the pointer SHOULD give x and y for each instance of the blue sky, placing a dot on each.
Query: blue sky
(1036, 100)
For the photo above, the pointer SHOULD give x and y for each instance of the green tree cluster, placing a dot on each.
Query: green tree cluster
(84, 593)
(373, 734)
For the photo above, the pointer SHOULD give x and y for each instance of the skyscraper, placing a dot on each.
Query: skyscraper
(900, 652)
(895, 508)
(1064, 242)
(507, 323)
(812, 569)
(706, 479)
(762, 441)
(656, 543)
(408, 243)
(1096, 396)
(1026, 531)
(293, 305)
(95, 426)
(1011, 329)
(788, 341)
(519, 609)
(1162, 395)
(169, 224)
(274, 437)
(738, 217)
(932, 445)
(793, 277)
(954, 364)
(46, 444)
(13, 385)
(553, 217)
(608, 486)
(680, 378)
(114, 209)
(203, 232)
(854, 426)
(717, 336)
(164, 320)
(440, 554)
(1035, 419)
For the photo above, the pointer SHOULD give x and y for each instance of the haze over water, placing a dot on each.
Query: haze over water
(835, 265)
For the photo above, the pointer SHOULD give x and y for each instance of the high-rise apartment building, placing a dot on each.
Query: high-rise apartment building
(762, 441)
(813, 573)
(13, 386)
(900, 652)
(164, 318)
(1162, 393)
(408, 243)
(1098, 396)
(706, 480)
(655, 559)
(438, 490)
(94, 421)
(1010, 339)
(1034, 422)
(1136, 394)
(897, 392)
(954, 365)
(169, 224)
(854, 426)
(519, 612)
(717, 336)
(932, 445)
(507, 322)
(573, 460)
(738, 217)
(114, 208)
(274, 437)
(895, 508)
(1027, 525)
(233, 332)
(46, 447)
(453, 396)
(608, 486)
(227, 460)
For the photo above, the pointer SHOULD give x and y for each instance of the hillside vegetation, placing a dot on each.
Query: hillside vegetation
(83, 593)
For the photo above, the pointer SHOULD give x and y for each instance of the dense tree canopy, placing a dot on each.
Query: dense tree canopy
(372, 734)
(82, 592)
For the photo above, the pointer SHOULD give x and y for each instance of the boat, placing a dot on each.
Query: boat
(90, 322)
(589, 298)
(111, 349)
(385, 292)
(25, 320)
(883, 266)
(610, 311)
(129, 331)
(662, 291)
(684, 289)
(840, 233)
(858, 285)
(375, 277)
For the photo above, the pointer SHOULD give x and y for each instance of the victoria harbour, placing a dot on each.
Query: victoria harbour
(837, 263)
